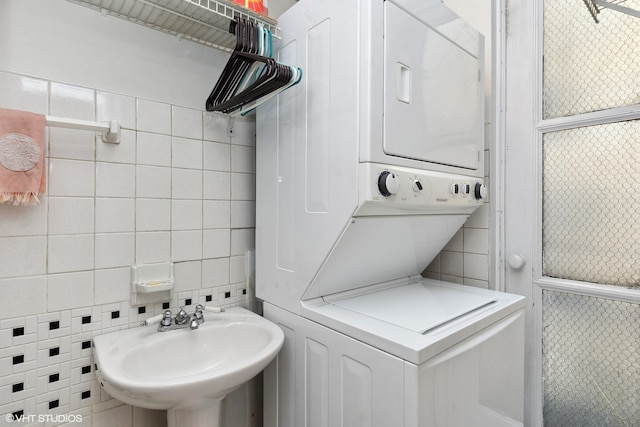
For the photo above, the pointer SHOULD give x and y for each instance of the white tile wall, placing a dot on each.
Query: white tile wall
(177, 188)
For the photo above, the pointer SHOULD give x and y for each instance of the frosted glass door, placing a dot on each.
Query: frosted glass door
(572, 207)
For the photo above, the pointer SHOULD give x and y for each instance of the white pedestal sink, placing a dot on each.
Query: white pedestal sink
(187, 372)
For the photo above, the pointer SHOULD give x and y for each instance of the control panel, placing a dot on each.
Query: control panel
(386, 189)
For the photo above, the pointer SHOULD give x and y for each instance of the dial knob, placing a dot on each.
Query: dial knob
(388, 183)
(480, 191)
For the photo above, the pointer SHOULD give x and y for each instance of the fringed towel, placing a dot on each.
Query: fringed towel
(22, 170)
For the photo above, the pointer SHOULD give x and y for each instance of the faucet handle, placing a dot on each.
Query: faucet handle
(182, 317)
(198, 313)
(166, 319)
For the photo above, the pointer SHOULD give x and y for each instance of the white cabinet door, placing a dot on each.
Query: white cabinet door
(433, 95)
(322, 378)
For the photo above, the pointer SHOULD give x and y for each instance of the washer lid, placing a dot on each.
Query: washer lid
(416, 307)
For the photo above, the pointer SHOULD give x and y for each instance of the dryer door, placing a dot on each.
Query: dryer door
(433, 95)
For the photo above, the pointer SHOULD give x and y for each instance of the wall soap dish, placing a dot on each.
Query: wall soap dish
(151, 282)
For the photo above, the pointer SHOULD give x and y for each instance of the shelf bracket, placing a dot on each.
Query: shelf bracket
(230, 130)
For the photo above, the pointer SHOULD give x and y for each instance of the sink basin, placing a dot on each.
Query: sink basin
(188, 372)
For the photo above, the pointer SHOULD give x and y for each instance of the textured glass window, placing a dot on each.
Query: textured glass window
(591, 204)
(591, 361)
(588, 66)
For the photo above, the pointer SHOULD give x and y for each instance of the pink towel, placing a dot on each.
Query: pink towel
(22, 171)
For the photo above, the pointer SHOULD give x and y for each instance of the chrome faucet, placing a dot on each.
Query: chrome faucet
(181, 320)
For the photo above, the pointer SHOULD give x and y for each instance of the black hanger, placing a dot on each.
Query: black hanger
(232, 90)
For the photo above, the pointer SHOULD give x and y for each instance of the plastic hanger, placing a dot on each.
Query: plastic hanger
(246, 109)
(251, 76)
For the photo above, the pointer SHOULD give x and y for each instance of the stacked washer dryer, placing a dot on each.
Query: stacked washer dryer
(365, 170)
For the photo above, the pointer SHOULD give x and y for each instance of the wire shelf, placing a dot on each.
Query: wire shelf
(202, 21)
(596, 6)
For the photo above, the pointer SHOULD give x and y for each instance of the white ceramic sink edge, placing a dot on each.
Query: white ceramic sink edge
(185, 368)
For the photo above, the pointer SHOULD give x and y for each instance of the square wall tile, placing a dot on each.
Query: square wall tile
(476, 266)
(186, 122)
(70, 290)
(71, 215)
(72, 101)
(84, 321)
(124, 152)
(476, 240)
(188, 276)
(186, 245)
(23, 256)
(153, 117)
(112, 285)
(217, 185)
(217, 156)
(451, 263)
(115, 180)
(153, 214)
(24, 220)
(71, 144)
(70, 253)
(115, 314)
(186, 214)
(24, 93)
(215, 272)
(22, 329)
(215, 127)
(242, 240)
(243, 186)
(243, 159)
(216, 243)
(72, 178)
(153, 247)
(153, 149)
(54, 325)
(186, 184)
(216, 214)
(114, 250)
(115, 215)
(244, 132)
(186, 153)
(153, 182)
(227, 295)
(28, 296)
(243, 214)
(111, 106)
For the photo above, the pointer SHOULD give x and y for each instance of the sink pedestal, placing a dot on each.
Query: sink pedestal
(190, 371)
(208, 416)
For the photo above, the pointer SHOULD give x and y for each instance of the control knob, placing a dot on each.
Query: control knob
(480, 191)
(388, 183)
